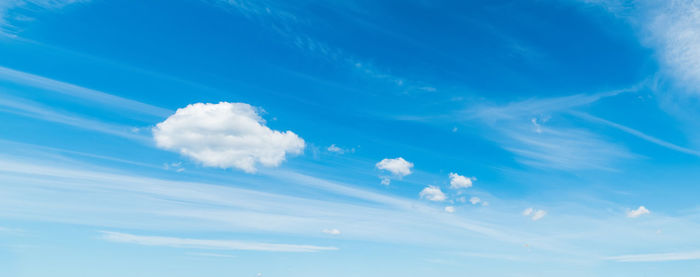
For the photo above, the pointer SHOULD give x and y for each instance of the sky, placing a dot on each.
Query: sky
(349, 138)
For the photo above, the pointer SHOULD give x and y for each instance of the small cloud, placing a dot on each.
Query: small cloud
(538, 128)
(459, 182)
(450, 209)
(475, 200)
(462, 199)
(433, 193)
(539, 214)
(177, 166)
(638, 212)
(398, 166)
(385, 180)
(334, 232)
(454, 129)
(534, 214)
(338, 150)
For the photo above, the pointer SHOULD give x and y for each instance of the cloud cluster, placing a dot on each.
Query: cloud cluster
(226, 135)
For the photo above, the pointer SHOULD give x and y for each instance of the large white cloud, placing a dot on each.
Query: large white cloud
(397, 166)
(433, 193)
(226, 135)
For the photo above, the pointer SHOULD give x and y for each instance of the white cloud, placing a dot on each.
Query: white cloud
(534, 214)
(336, 149)
(334, 232)
(672, 28)
(475, 200)
(458, 181)
(638, 212)
(226, 135)
(398, 166)
(450, 209)
(210, 244)
(675, 31)
(339, 150)
(433, 193)
(385, 180)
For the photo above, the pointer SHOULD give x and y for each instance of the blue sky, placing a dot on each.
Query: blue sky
(338, 138)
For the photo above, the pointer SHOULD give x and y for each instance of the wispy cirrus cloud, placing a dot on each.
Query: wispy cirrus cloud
(37, 111)
(75, 91)
(637, 133)
(295, 25)
(524, 128)
(12, 11)
(671, 28)
(209, 243)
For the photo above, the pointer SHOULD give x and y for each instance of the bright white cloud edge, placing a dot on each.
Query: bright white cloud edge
(226, 135)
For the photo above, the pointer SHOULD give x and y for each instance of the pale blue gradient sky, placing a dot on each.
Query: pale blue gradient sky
(566, 117)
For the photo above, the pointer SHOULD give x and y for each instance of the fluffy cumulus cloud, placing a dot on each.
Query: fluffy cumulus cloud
(450, 209)
(398, 166)
(638, 212)
(459, 182)
(534, 214)
(226, 135)
(432, 193)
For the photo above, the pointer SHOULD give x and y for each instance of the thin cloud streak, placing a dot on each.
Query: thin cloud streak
(636, 133)
(210, 244)
(28, 79)
(36, 111)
